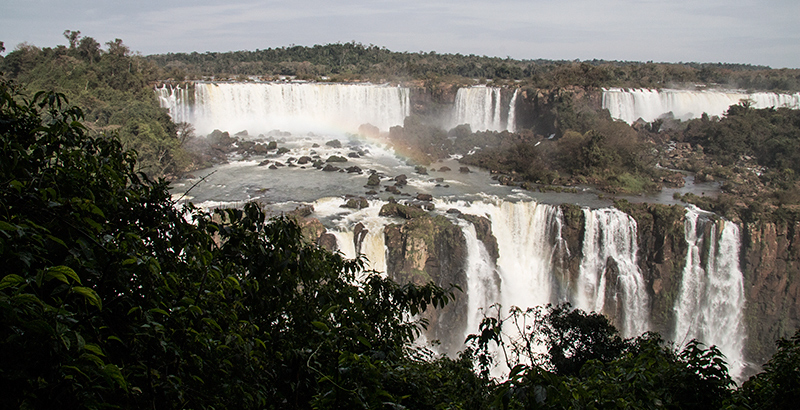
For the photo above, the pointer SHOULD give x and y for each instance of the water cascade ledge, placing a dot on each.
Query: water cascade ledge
(534, 265)
(631, 104)
(294, 107)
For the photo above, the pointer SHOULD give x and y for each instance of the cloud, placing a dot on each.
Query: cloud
(759, 32)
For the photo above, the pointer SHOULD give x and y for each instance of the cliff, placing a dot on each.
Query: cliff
(771, 266)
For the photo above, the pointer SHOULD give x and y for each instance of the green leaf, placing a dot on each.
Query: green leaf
(11, 280)
(91, 296)
(161, 311)
(94, 349)
(112, 371)
(320, 326)
(62, 273)
(5, 226)
(364, 341)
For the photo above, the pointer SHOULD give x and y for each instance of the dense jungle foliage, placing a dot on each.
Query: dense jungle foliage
(114, 87)
(112, 298)
(354, 61)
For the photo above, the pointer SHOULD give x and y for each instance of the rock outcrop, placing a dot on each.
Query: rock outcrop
(427, 249)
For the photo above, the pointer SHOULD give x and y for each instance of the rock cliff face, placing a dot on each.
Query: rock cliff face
(769, 261)
(431, 249)
(771, 266)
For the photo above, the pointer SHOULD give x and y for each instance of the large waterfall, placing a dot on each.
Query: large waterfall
(711, 299)
(609, 280)
(631, 104)
(483, 109)
(297, 107)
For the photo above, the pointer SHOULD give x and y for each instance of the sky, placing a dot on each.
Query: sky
(760, 32)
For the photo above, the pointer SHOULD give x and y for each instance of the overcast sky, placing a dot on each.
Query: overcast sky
(763, 32)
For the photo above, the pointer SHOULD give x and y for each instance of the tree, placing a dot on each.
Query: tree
(778, 386)
(110, 298)
(72, 37)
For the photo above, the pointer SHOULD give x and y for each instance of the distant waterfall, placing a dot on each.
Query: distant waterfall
(303, 107)
(649, 105)
(609, 279)
(482, 108)
(711, 299)
(176, 99)
(512, 112)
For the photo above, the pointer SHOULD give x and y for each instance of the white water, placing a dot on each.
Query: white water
(482, 280)
(481, 107)
(710, 303)
(610, 234)
(529, 239)
(512, 112)
(649, 105)
(373, 245)
(296, 107)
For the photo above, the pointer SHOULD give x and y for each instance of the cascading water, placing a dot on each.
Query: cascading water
(302, 107)
(512, 112)
(531, 249)
(371, 244)
(483, 282)
(609, 279)
(711, 297)
(649, 105)
(176, 100)
(481, 107)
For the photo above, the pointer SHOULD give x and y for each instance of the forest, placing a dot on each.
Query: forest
(113, 297)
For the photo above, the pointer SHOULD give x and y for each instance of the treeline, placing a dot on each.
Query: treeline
(354, 61)
(114, 86)
(111, 297)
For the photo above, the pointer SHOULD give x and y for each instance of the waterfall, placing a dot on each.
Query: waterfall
(530, 245)
(482, 108)
(649, 105)
(609, 279)
(296, 107)
(176, 100)
(512, 112)
(482, 281)
(711, 297)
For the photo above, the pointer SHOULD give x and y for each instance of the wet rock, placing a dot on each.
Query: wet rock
(374, 180)
(327, 241)
(356, 203)
(359, 233)
(401, 180)
(403, 211)
(424, 197)
(304, 160)
(354, 170)
(273, 166)
(336, 158)
(353, 155)
(334, 144)
(419, 169)
(330, 168)
(393, 189)
(464, 170)
(444, 169)
(263, 163)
